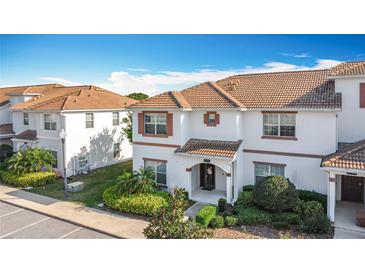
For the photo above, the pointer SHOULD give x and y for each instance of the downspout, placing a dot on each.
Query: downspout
(231, 164)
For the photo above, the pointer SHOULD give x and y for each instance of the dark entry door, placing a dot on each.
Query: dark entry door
(352, 189)
(207, 176)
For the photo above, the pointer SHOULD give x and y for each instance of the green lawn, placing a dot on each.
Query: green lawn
(95, 183)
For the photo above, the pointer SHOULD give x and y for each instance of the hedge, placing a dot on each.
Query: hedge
(252, 216)
(33, 179)
(217, 222)
(143, 204)
(306, 195)
(206, 214)
(248, 188)
(245, 199)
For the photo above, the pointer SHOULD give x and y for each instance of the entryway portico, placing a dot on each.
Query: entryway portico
(211, 165)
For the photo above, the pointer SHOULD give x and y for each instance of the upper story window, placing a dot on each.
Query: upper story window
(50, 122)
(115, 118)
(262, 170)
(279, 125)
(89, 120)
(25, 118)
(155, 123)
(211, 119)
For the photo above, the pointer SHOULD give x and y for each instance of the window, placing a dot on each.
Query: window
(262, 170)
(26, 119)
(155, 123)
(89, 120)
(54, 153)
(116, 150)
(115, 118)
(83, 162)
(159, 170)
(282, 125)
(50, 122)
(362, 95)
(211, 119)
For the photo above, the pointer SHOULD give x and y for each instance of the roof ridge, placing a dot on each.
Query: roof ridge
(346, 150)
(51, 100)
(180, 99)
(226, 94)
(276, 72)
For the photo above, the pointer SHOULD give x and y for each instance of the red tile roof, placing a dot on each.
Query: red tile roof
(348, 69)
(349, 157)
(205, 147)
(6, 129)
(28, 134)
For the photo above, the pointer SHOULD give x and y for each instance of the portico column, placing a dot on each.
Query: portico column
(228, 188)
(331, 197)
(188, 171)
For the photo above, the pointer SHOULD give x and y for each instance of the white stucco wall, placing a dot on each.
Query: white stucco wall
(351, 120)
(5, 117)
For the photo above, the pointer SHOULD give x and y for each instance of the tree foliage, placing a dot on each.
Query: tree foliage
(141, 181)
(138, 96)
(31, 160)
(5, 152)
(127, 130)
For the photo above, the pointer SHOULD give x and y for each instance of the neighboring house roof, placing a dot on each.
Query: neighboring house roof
(28, 134)
(76, 98)
(350, 156)
(296, 89)
(6, 129)
(216, 148)
(22, 90)
(348, 69)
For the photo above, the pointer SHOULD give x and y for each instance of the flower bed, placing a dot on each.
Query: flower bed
(32, 179)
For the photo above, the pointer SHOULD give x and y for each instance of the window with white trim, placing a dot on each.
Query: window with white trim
(89, 119)
(116, 150)
(279, 124)
(26, 118)
(50, 122)
(115, 118)
(159, 170)
(262, 170)
(155, 123)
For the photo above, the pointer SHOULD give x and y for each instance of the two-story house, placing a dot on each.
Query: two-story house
(214, 138)
(90, 116)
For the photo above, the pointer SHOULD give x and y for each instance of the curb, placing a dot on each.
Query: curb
(64, 220)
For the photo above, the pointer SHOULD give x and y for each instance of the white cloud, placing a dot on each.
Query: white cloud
(297, 55)
(60, 81)
(138, 69)
(152, 83)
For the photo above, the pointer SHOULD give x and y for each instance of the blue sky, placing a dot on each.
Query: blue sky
(154, 63)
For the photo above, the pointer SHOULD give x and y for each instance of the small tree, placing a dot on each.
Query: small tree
(31, 160)
(138, 96)
(169, 222)
(141, 181)
(127, 130)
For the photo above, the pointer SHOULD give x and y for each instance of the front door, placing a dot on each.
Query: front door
(207, 176)
(352, 189)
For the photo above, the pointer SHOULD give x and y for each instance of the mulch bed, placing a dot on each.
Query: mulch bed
(263, 232)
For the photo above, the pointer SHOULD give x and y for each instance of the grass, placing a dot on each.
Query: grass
(94, 185)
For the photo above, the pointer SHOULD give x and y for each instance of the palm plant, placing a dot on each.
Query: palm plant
(31, 160)
(144, 181)
(125, 183)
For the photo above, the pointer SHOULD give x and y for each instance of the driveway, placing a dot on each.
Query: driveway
(19, 223)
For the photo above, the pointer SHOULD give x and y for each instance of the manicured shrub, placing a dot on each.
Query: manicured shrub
(248, 188)
(317, 223)
(217, 222)
(245, 199)
(310, 208)
(222, 205)
(280, 225)
(307, 196)
(275, 194)
(206, 214)
(169, 223)
(252, 216)
(33, 179)
(230, 220)
(290, 218)
(5, 152)
(144, 204)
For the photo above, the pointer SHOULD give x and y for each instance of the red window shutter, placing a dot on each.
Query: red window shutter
(206, 118)
(362, 95)
(217, 119)
(170, 126)
(140, 123)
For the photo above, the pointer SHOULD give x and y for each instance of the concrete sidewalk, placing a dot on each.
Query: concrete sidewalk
(117, 226)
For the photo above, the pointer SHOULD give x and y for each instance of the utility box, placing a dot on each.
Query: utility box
(75, 187)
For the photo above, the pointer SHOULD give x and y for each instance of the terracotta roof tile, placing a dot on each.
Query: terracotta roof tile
(205, 147)
(76, 98)
(6, 129)
(350, 156)
(348, 69)
(28, 134)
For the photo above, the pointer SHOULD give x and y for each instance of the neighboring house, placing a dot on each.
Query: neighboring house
(214, 138)
(91, 117)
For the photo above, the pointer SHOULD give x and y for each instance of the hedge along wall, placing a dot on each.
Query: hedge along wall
(33, 179)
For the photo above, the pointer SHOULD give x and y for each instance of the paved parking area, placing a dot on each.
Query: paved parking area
(19, 223)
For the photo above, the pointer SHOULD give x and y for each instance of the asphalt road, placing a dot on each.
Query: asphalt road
(19, 223)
